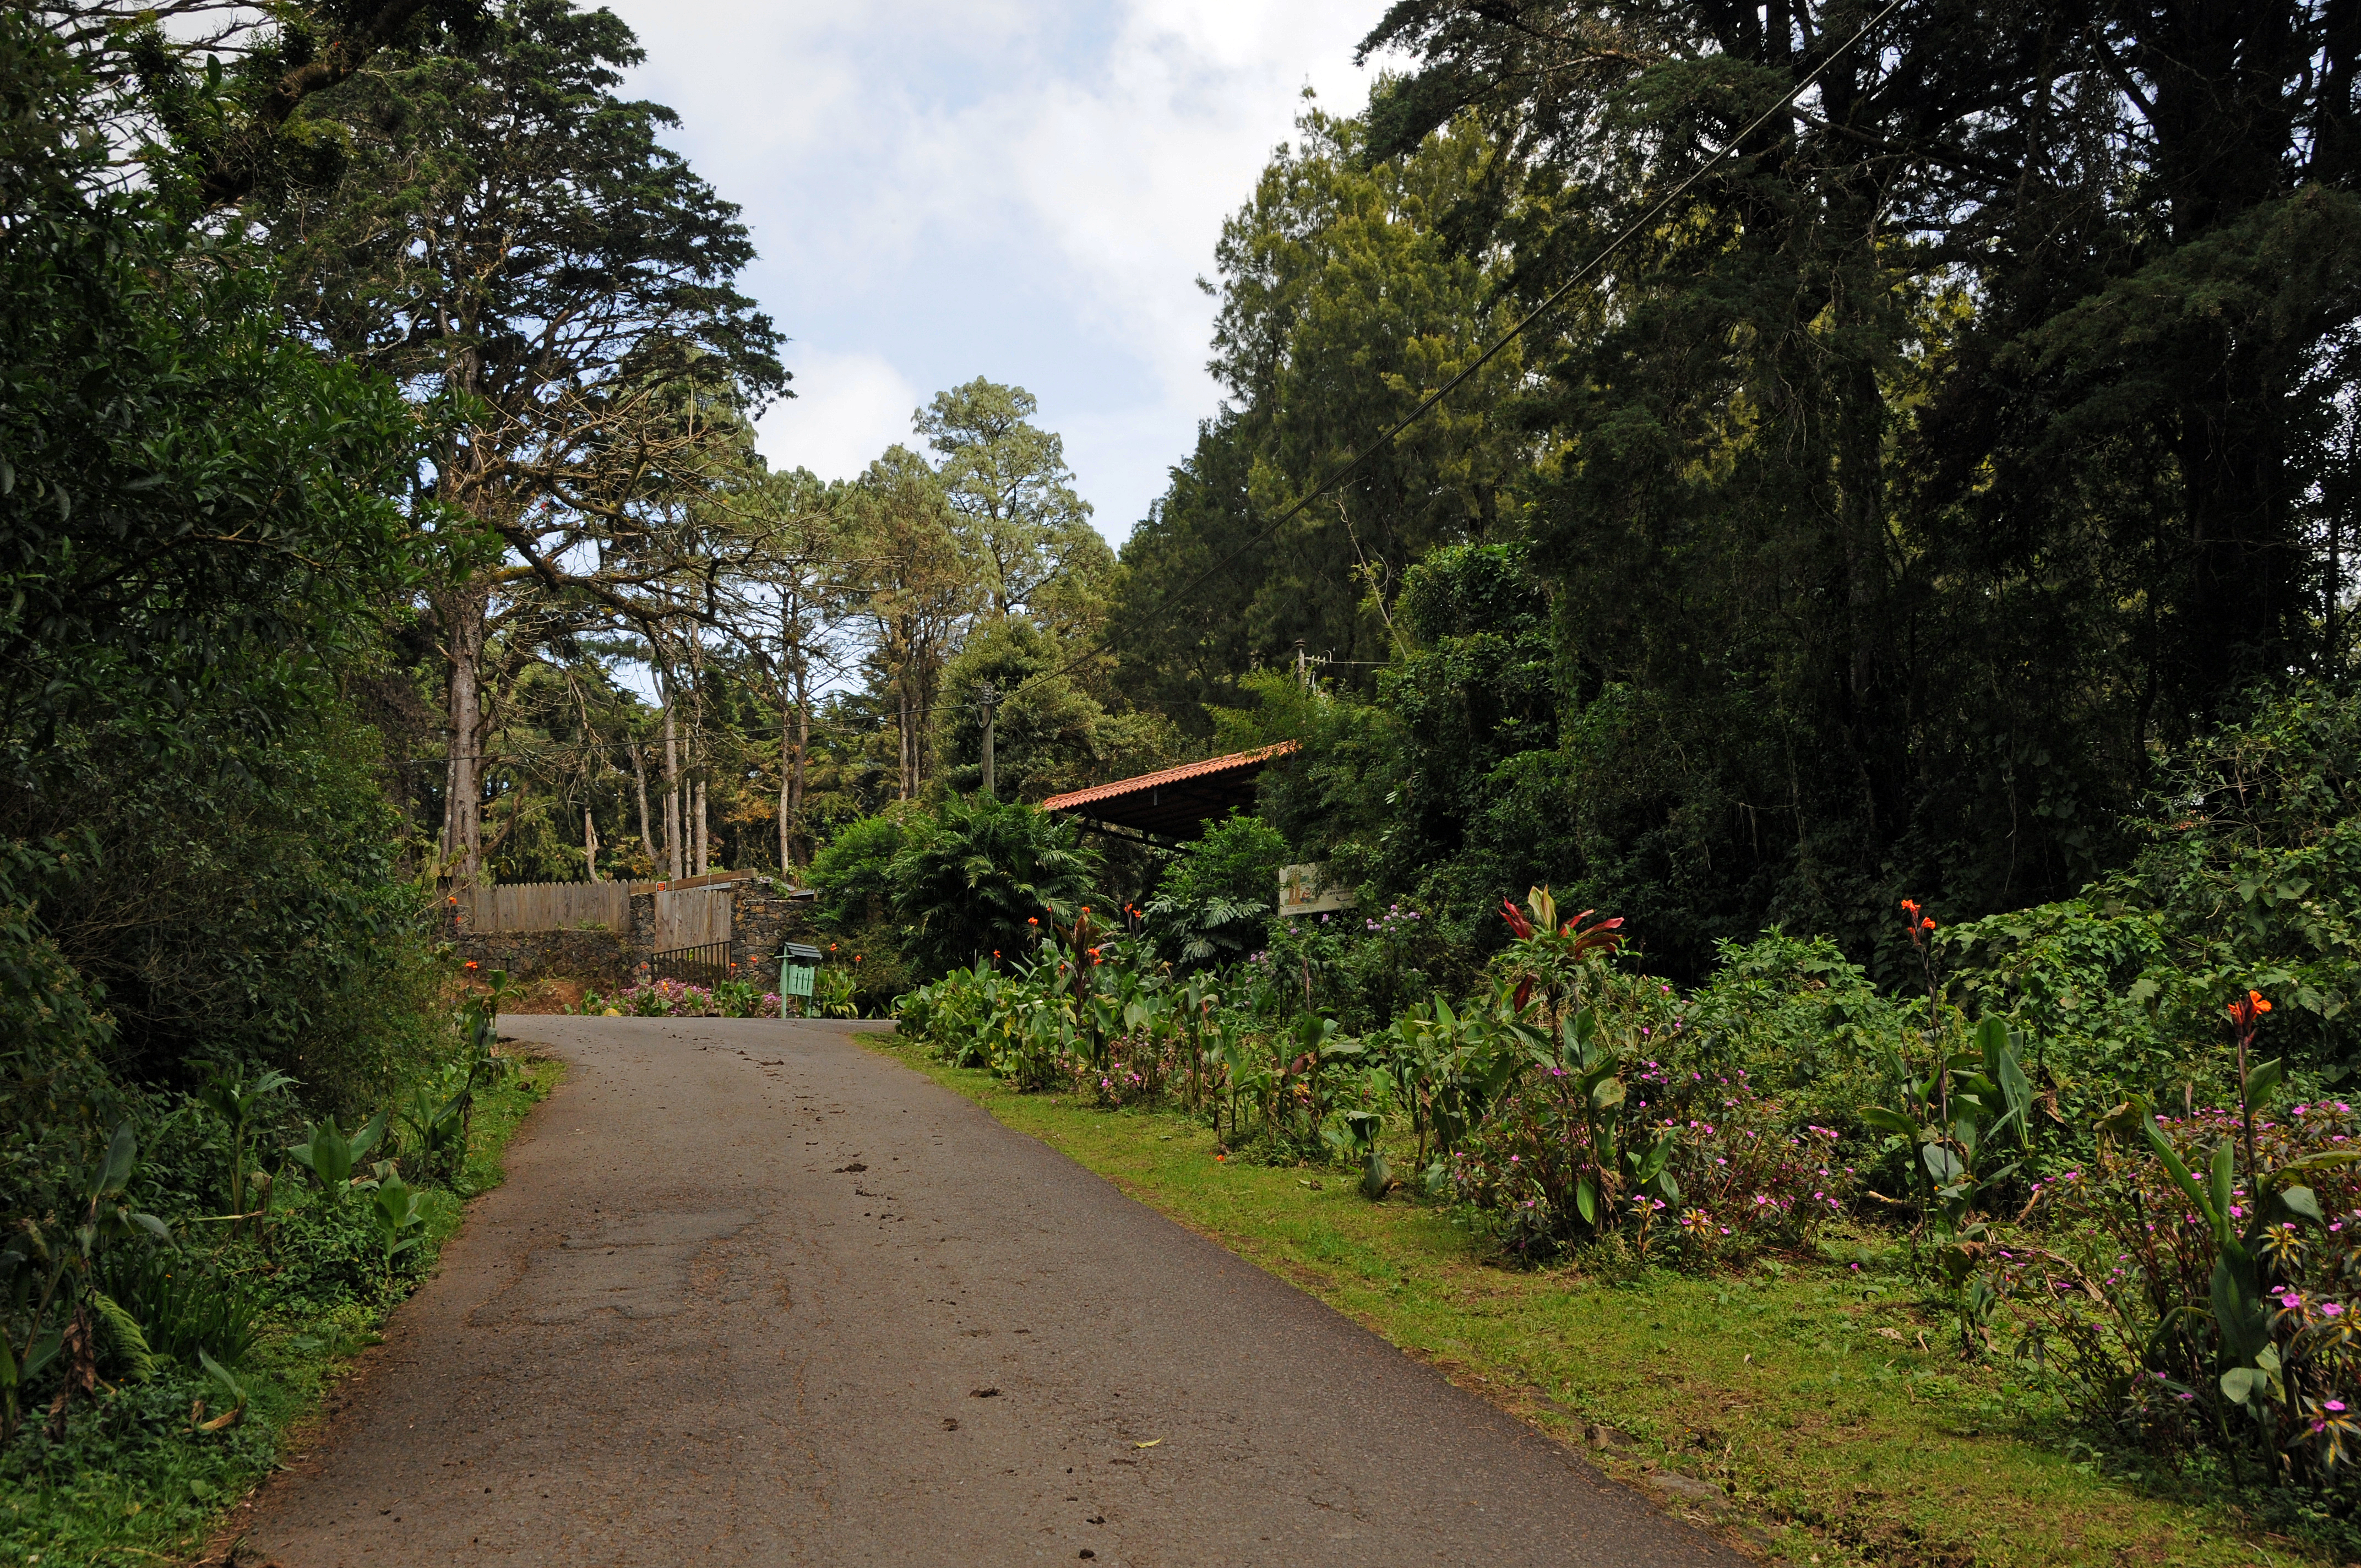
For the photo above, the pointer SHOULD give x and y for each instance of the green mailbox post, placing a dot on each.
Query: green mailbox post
(798, 962)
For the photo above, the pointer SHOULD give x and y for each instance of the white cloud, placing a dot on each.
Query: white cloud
(1024, 192)
(847, 409)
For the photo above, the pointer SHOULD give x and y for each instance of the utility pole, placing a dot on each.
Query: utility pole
(988, 695)
(1302, 668)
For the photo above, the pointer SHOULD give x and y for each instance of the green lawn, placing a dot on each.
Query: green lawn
(134, 1485)
(1829, 1401)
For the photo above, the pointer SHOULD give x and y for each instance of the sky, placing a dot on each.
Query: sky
(1023, 192)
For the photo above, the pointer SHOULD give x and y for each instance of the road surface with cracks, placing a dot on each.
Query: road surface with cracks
(754, 1294)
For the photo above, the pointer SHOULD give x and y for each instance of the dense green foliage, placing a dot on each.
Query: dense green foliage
(219, 956)
(1876, 516)
(970, 882)
(1214, 902)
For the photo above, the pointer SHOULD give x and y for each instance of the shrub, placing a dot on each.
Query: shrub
(1217, 893)
(1615, 1130)
(678, 999)
(2130, 1296)
(967, 888)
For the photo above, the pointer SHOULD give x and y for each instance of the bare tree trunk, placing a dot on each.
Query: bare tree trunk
(693, 797)
(909, 738)
(673, 813)
(798, 740)
(462, 805)
(589, 846)
(640, 775)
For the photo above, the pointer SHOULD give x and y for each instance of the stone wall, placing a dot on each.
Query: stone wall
(597, 956)
(763, 920)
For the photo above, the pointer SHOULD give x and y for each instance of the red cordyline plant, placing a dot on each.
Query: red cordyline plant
(1547, 954)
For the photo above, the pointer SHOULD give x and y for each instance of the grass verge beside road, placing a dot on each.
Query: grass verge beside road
(1829, 1404)
(134, 1484)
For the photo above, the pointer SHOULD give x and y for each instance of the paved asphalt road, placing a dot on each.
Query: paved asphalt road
(754, 1295)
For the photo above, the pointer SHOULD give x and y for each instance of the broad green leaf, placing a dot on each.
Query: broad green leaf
(2018, 1089)
(1891, 1121)
(1585, 1200)
(2262, 1083)
(2237, 1312)
(223, 1376)
(2178, 1171)
(121, 1152)
(1941, 1163)
(1991, 1040)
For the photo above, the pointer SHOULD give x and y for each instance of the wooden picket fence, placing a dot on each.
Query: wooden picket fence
(550, 906)
(690, 912)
